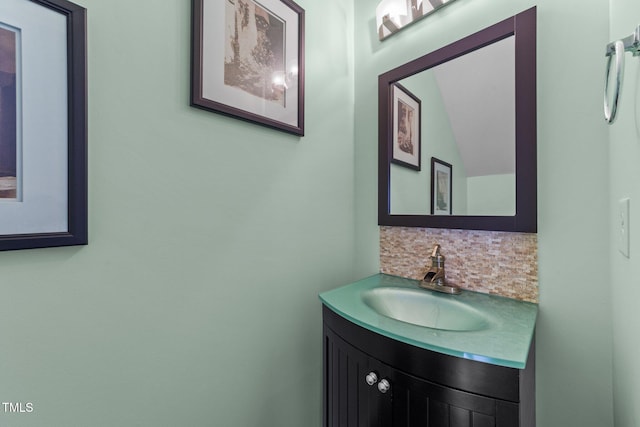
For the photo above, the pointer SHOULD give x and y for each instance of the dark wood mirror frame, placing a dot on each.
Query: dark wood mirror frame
(523, 27)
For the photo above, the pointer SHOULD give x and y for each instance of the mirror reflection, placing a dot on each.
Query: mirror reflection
(454, 136)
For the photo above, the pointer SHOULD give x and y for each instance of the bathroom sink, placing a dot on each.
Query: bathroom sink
(424, 308)
(471, 325)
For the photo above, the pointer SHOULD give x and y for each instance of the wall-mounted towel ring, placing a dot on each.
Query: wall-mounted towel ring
(617, 49)
(610, 111)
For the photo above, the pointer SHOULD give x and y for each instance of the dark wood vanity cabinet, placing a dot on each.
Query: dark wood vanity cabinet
(425, 388)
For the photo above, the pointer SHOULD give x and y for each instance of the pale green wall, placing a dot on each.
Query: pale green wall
(574, 328)
(409, 190)
(624, 164)
(195, 303)
(491, 195)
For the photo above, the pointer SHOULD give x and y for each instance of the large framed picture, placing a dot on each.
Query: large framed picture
(441, 187)
(43, 124)
(248, 61)
(406, 128)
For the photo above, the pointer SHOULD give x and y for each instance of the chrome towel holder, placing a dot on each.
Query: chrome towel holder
(618, 49)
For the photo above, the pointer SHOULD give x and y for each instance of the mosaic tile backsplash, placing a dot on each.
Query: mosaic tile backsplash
(491, 262)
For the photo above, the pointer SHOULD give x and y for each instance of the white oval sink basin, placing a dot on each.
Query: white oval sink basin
(424, 308)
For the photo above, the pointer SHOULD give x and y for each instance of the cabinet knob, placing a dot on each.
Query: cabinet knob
(371, 378)
(384, 386)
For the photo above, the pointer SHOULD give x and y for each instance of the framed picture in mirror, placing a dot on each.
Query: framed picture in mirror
(406, 128)
(248, 61)
(441, 187)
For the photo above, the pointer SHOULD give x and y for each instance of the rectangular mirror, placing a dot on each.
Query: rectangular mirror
(457, 133)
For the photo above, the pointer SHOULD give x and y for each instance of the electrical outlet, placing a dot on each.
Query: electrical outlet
(623, 226)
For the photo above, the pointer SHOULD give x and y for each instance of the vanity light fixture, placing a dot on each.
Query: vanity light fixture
(393, 15)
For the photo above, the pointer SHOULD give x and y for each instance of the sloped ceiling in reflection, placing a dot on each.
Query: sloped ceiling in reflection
(478, 90)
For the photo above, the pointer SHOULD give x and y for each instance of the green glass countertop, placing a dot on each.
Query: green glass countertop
(504, 340)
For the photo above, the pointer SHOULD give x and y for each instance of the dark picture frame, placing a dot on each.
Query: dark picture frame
(406, 125)
(27, 213)
(247, 59)
(441, 187)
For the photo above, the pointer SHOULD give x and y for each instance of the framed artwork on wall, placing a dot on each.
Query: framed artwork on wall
(406, 128)
(441, 187)
(43, 125)
(247, 59)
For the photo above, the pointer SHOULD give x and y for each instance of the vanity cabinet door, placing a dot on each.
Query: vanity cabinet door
(349, 401)
(417, 402)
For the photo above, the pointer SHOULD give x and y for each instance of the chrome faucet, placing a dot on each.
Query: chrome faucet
(435, 277)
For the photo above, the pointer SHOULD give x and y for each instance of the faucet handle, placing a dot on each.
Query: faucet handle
(437, 259)
(436, 251)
